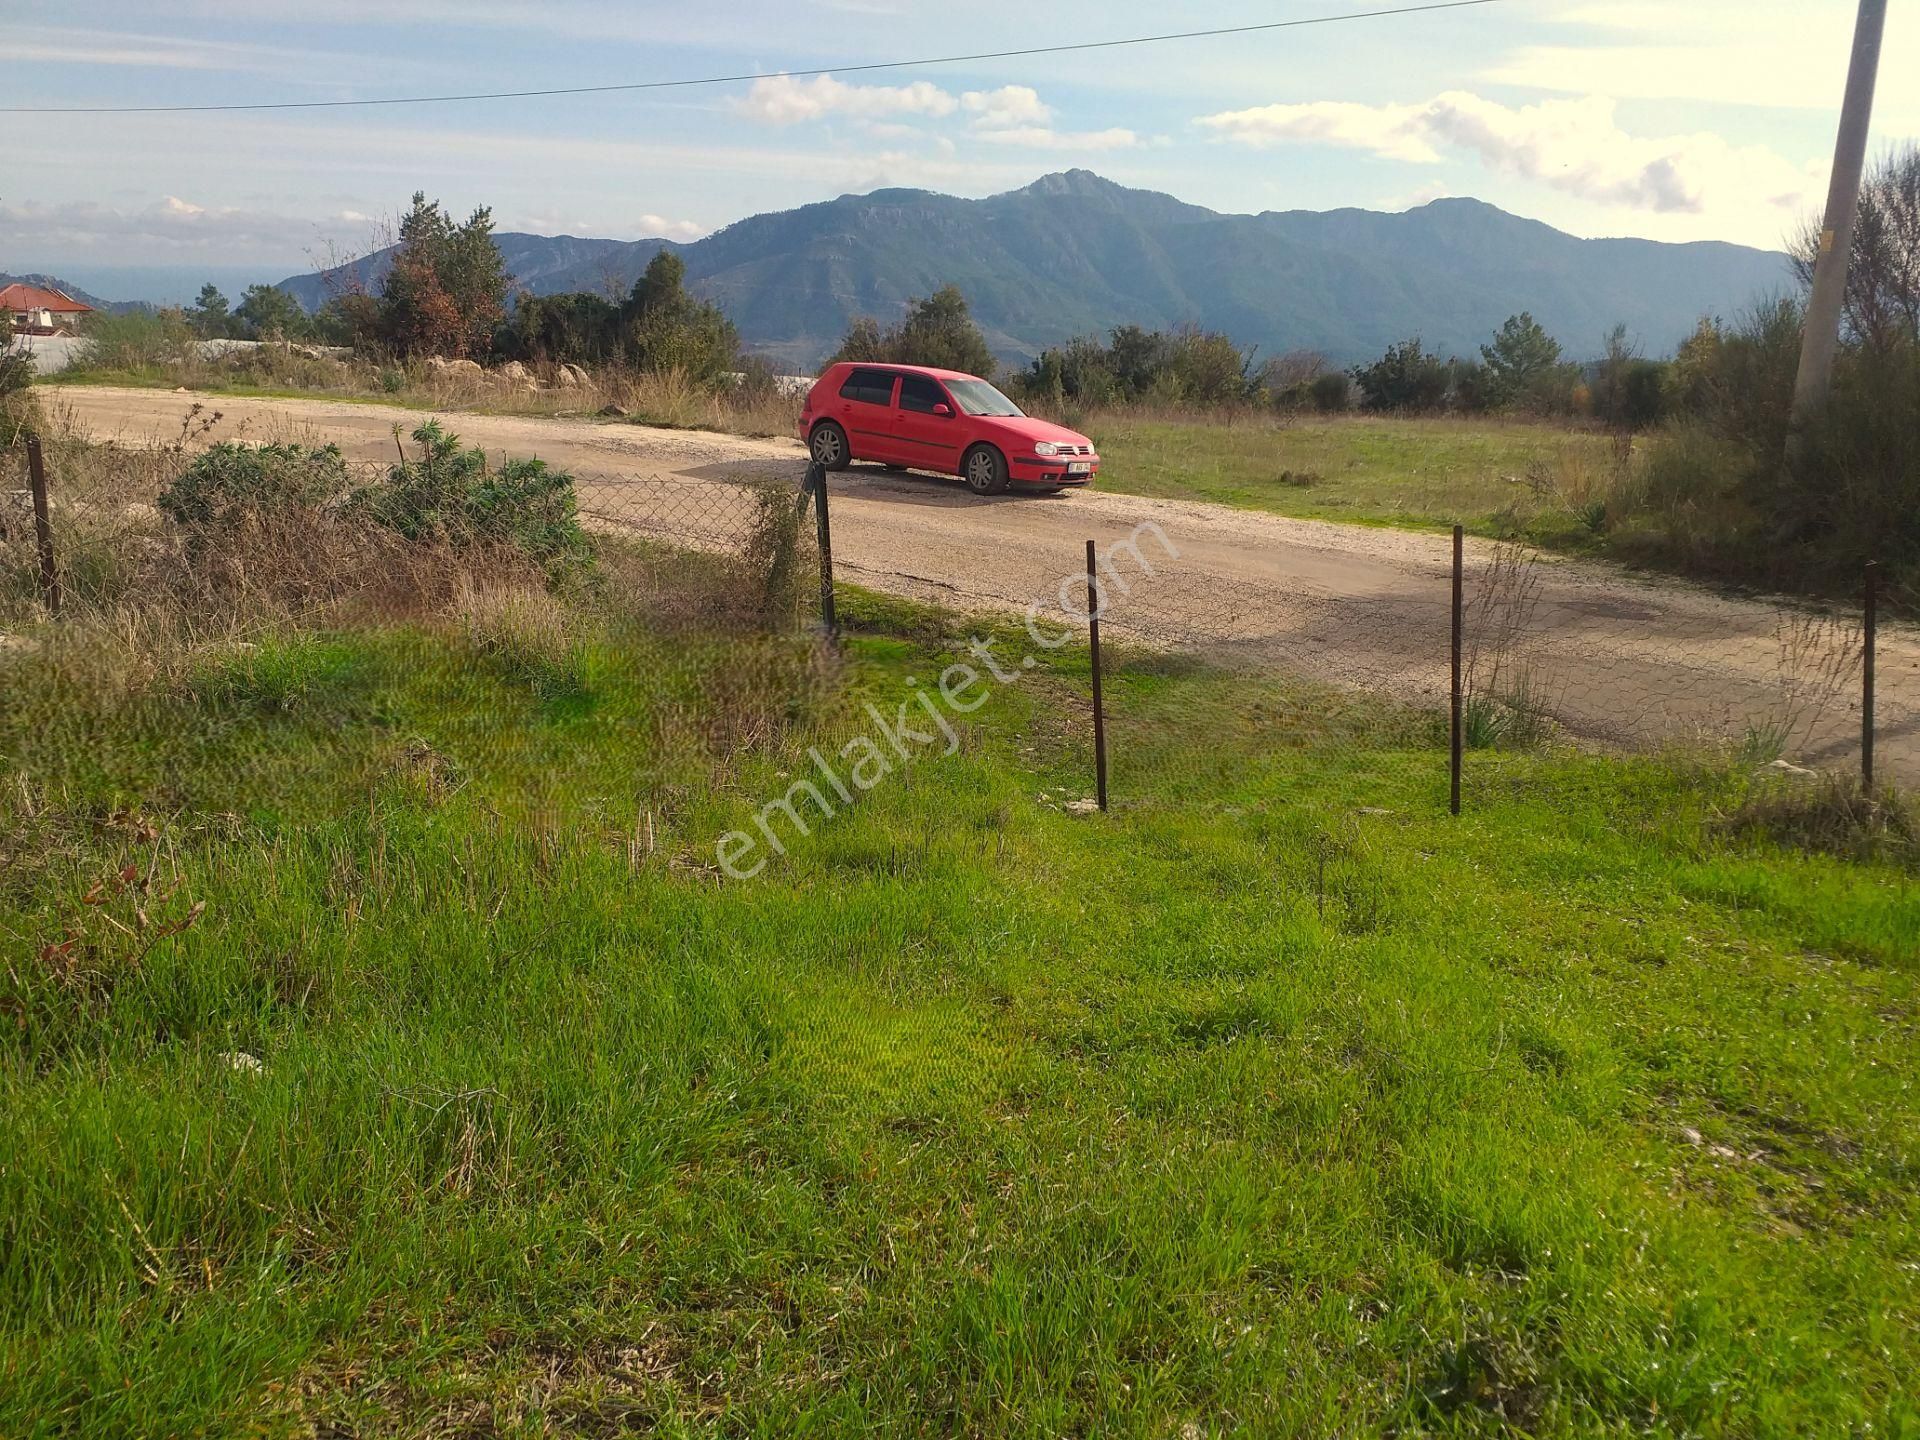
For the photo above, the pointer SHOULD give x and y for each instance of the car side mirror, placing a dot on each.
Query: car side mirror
(944, 411)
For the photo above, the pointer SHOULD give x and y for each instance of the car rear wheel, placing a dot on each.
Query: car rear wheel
(828, 446)
(985, 471)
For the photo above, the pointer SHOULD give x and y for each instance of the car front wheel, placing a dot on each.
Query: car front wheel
(829, 447)
(985, 471)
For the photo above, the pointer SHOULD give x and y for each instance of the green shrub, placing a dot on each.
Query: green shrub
(1332, 393)
(426, 499)
(448, 496)
(1681, 503)
(18, 412)
(937, 331)
(529, 506)
(1188, 367)
(1408, 377)
(1719, 490)
(229, 482)
(1851, 492)
(137, 340)
(773, 553)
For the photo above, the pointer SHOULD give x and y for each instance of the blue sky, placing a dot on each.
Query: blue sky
(1706, 120)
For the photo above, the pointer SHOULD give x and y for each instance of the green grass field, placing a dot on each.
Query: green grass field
(1276, 1102)
(1493, 475)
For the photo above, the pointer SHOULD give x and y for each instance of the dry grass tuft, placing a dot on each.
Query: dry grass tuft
(520, 625)
(1831, 815)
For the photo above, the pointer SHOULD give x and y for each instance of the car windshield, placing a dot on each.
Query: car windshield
(977, 397)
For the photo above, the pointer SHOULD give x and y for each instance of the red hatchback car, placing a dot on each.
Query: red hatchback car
(908, 417)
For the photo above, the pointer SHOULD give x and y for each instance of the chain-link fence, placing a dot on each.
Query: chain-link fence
(1601, 658)
(706, 593)
(738, 551)
(1340, 661)
(1327, 650)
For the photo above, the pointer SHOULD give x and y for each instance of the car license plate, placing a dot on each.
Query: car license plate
(1080, 467)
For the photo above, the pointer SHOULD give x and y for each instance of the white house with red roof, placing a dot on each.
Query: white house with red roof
(35, 310)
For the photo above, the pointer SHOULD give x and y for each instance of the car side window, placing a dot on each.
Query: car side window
(869, 387)
(920, 395)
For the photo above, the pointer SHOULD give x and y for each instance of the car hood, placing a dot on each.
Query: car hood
(1026, 428)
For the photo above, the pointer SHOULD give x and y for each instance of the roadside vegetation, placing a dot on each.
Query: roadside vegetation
(382, 1053)
(1680, 464)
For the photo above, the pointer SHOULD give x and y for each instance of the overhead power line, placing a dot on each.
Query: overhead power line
(1068, 49)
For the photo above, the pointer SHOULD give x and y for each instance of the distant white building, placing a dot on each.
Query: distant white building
(37, 311)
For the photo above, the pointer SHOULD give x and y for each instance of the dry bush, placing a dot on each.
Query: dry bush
(1831, 815)
(751, 695)
(124, 567)
(718, 635)
(521, 625)
(672, 398)
(1505, 704)
(754, 576)
(277, 365)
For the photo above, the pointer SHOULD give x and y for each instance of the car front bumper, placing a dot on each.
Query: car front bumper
(1031, 470)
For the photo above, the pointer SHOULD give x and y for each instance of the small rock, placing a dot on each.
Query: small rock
(240, 1060)
(578, 374)
(1083, 807)
(1719, 1152)
(516, 373)
(1787, 767)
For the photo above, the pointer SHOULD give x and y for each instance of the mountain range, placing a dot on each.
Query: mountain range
(1075, 254)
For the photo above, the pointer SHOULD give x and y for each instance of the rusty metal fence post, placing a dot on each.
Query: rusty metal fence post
(1099, 700)
(1458, 726)
(43, 526)
(1869, 627)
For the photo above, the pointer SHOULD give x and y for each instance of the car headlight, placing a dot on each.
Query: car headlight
(1046, 449)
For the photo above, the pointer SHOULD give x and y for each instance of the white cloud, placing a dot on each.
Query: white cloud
(169, 230)
(783, 100)
(1394, 132)
(1768, 54)
(1007, 107)
(1576, 146)
(1039, 137)
(658, 227)
(1015, 115)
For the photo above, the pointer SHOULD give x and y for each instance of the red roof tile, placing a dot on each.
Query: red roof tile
(32, 297)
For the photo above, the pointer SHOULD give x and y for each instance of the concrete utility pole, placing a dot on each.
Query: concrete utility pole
(1843, 201)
